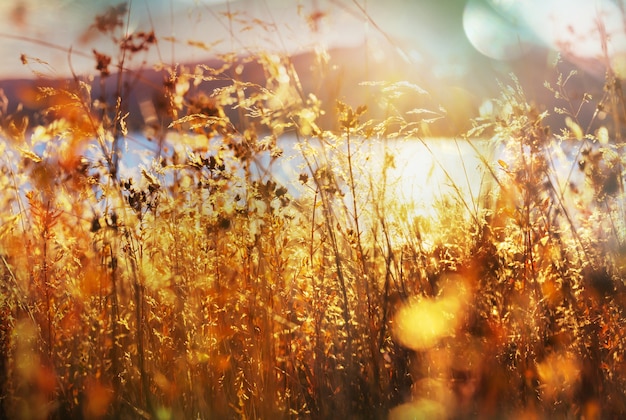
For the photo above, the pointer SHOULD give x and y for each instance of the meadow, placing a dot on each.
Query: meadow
(202, 286)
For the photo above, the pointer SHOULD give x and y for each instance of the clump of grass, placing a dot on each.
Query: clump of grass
(201, 286)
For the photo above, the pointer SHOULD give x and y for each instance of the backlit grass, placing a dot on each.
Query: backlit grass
(201, 287)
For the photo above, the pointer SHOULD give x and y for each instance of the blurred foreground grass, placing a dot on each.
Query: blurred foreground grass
(205, 289)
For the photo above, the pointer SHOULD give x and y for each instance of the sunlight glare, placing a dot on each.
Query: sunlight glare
(581, 30)
(496, 35)
(436, 169)
(423, 322)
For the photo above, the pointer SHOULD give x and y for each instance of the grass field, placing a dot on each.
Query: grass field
(205, 288)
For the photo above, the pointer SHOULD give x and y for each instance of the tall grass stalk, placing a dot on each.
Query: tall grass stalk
(201, 286)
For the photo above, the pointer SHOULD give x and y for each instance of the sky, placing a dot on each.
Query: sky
(448, 34)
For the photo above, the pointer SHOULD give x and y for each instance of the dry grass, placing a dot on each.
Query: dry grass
(204, 289)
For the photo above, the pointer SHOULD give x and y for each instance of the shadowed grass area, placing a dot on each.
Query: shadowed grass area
(203, 287)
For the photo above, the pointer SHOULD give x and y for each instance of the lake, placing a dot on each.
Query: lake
(420, 172)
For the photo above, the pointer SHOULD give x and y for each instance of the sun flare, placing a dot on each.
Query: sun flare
(317, 209)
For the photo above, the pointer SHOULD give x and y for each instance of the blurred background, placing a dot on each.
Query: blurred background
(454, 49)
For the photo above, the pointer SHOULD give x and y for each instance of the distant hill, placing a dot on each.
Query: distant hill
(460, 96)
